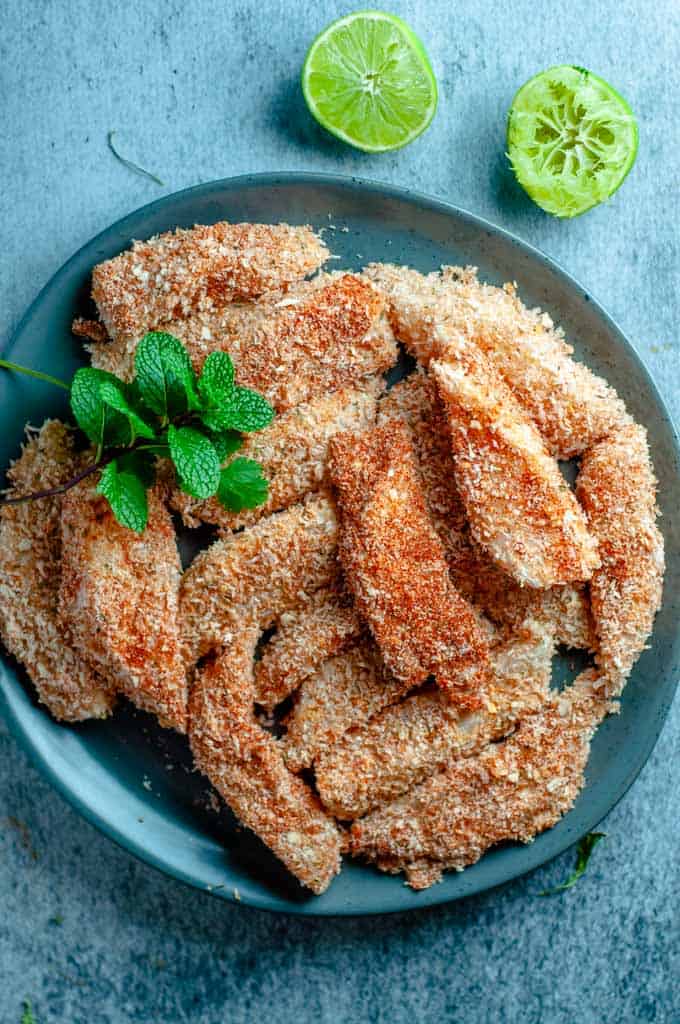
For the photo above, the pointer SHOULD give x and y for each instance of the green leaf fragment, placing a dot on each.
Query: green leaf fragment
(102, 424)
(196, 461)
(242, 485)
(216, 383)
(112, 394)
(27, 1014)
(584, 851)
(164, 375)
(126, 494)
(246, 411)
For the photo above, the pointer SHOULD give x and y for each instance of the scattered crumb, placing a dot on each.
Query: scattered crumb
(21, 828)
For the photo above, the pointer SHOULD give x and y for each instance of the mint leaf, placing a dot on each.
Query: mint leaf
(242, 485)
(196, 461)
(216, 383)
(165, 376)
(226, 442)
(112, 395)
(585, 849)
(126, 494)
(246, 410)
(141, 464)
(102, 424)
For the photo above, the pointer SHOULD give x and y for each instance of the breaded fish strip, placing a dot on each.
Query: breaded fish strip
(30, 557)
(344, 692)
(562, 609)
(245, 765)
(519, 506)
(617, 488)
(407, 742)
(571, 407)
(176, 274)
(306, 637)
(395, 566)
(118, 601)
(258, 574)
(293, 453)
(509, 791)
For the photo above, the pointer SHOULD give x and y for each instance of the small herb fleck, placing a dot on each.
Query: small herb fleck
(130, 164)
(585, 849)
(27, 1015)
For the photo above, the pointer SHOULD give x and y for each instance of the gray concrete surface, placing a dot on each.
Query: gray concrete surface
(199, 91)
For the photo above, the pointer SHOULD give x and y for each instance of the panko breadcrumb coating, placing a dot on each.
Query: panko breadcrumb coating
(118, 601)
(343, 693)
(305, 637)
(395, 566)
(617, 487)
(519, 506)
(199, 269)
(245, 765)
(564, 610)
(511, 790)
(409, 741)
(571, 407)
(258, 574)
(292, 451)
(30, 556)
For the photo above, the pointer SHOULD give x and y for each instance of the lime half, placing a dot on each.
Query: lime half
(571, 139)
(368, 80)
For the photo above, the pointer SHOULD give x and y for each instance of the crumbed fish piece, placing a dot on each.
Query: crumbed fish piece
(511, 790)
(409, 741)
(259, 574)
(293, 453)
(118, 601)
(321, 335)
(570, 406)
(30, 561)
(186, 271)
(617, 487)
(395, 566)
(519, 506)
(305, 637)
(344, 692)
(244, 764)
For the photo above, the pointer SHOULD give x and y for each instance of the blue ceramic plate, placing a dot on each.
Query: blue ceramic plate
(132, 779)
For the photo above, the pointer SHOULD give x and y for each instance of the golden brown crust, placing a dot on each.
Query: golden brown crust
(570, 406)
(617, 488)
(244, 764)
(519, 507)
(307, 636)
(258, 574)
(118, 601)
(407, 742)
(293, 453)
(510, 791)
(30, 556)
(395, 566)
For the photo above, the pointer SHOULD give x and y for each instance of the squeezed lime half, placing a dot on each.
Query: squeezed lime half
(367, 79)
(572, 139)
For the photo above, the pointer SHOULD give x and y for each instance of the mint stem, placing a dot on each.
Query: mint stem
(34, 373)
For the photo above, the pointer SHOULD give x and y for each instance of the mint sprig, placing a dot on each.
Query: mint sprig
(583, 854)
(165, 412)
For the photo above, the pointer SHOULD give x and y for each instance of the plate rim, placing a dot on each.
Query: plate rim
(40, 758)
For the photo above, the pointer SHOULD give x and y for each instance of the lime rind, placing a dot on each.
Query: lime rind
(367, 80)
(572, 140)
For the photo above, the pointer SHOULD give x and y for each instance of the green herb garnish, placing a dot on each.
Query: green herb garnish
(585, 849)
(27, 1015)
(130, 164)
(165, 412)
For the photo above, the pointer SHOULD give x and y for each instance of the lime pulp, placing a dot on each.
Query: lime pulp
(572, 139)
(367, 80)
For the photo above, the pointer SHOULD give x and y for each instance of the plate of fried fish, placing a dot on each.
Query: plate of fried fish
(444, 645)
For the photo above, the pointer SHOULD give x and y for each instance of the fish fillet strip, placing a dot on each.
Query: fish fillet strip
(244, 764)
(519, 507)
(571, 407)
(346, 691)
(617, 487)
(511, 790)
(564, 610)
(395, 566)
(293, 453)
(119, 598)
(30, 557)
(305, 638)
(409, 741)
(259, 574)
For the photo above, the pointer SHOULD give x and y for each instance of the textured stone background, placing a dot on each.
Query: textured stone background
(200, 91)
